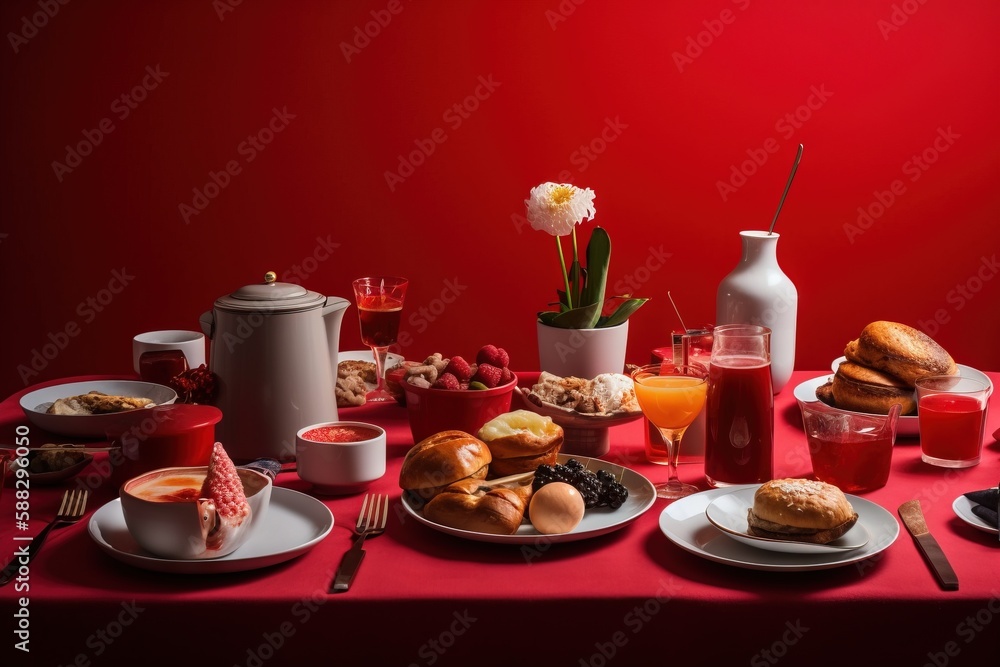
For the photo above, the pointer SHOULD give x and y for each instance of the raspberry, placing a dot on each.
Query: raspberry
(488, 374)
(491, 354)
(223, 485)
(505, 375)
(446, 381)
(460, 368)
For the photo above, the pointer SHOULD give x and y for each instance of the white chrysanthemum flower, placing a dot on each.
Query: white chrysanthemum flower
(558, 207)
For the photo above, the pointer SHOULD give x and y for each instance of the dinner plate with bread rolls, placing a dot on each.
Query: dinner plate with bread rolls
(685, 522)
(478, 504)
(879, 368)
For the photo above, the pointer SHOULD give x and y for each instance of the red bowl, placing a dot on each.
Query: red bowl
(434, 410)
(166, 436)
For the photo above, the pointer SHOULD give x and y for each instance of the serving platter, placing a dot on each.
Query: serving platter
(597, 521)
(728, 513)
(685, 523)
(35, 403)
(293, 524)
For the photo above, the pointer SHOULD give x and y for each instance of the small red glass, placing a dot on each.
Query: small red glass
(380, 307)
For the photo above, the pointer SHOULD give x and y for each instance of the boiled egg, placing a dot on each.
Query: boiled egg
(555, 508)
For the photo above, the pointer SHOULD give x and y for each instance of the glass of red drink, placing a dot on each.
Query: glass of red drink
(851, 450)
(739, 411)
(380, 306)
(952, 415)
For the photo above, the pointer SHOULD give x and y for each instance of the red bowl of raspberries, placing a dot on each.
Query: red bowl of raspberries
(458, 395)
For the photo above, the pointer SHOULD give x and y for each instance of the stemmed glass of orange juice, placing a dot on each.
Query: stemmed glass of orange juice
(380, 306)
(671, 396)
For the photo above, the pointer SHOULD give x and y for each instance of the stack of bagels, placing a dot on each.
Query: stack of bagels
(482, 482)
(882, 365)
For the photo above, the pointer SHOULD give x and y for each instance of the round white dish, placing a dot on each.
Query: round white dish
(369, 356)
(293, 524)
(597, 521)
(964, 371)
(35, 403)
(963, 508)
(728, 513)
(684, 523)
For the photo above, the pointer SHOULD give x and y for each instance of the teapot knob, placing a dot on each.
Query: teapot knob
(270, 277)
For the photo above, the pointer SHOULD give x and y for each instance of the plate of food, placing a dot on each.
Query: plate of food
(685, 523)
(293, 524)
(820, 531)
(596, 521)
(357, 375)
(88, 409)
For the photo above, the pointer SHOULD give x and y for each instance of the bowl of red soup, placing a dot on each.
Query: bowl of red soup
(341, 457)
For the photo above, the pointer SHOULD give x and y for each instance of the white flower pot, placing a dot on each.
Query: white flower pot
(583, 353)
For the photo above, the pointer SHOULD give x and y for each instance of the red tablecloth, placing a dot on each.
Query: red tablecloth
(424, 598)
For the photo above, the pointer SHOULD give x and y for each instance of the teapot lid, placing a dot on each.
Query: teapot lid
(271, 296)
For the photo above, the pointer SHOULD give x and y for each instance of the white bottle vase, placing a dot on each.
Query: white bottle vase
(758, 292)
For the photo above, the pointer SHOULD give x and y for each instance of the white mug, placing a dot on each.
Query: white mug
(191, 343)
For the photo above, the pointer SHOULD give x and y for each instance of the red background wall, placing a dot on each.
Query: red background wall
(886, 81)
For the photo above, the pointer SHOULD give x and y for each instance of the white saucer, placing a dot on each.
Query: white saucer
(906, 427)
(728, 513)
(963, 508)
(293, 524)
(685, 524)
(369, 356)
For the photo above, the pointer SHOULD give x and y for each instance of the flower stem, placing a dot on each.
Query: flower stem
(562, 265)
(577, 280)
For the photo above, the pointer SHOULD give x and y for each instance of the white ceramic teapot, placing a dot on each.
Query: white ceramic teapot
(274, 352)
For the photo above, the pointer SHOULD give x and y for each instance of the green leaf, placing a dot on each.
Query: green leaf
(584, 317)
(546, 317)
(622, 313)
(576, 281)
(598, 261)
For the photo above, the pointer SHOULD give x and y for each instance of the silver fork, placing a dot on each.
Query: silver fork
(71, 510)
(372, 520)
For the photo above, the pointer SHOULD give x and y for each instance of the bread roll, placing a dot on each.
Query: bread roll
(801, 510)
(441, 459)
(863, 389)
(520, 441)
(901, 351)
(476, 506)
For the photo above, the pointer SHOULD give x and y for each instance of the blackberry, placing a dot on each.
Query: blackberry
(614, 494)
(597, 490)
(590, 488)
(573, 464)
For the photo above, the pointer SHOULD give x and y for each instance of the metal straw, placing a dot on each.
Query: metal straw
(798, 156)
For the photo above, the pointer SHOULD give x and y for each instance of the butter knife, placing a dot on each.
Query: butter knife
(913, 517)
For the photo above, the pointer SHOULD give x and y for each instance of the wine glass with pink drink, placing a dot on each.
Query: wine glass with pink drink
(380, 306)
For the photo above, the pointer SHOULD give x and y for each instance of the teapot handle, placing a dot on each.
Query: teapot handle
(207, 321)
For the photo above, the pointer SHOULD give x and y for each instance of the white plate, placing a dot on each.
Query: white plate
(685, 524)
(963, 508)
(293, 524)
(35, 403)
(369, 356)
(728, 513)
(597, 521)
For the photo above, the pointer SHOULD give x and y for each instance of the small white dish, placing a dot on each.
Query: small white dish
(728, 513)
(294, 523)
(342, 466)
(684, 523)
(963, 508)
(35, 403)
(369, 356)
